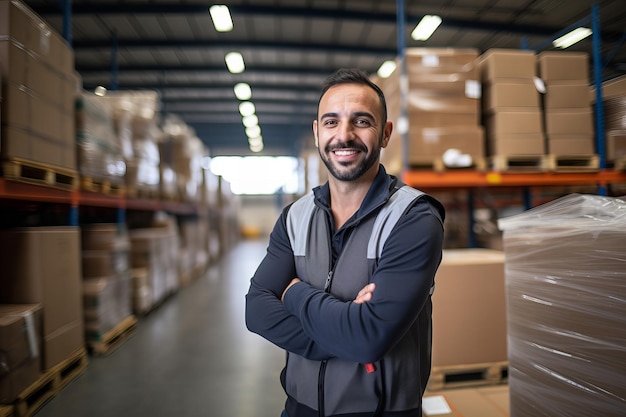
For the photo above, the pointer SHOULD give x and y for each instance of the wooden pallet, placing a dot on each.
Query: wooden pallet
(22, 170)
(438, 165)
(517, 163)
(144, 193)
(101, 185)
(7, 411)
(620, 164)
(575, 163)
(111, 340)
(50, 384)
(473, 375)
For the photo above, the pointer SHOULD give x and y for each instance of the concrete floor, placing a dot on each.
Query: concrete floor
(193, 356)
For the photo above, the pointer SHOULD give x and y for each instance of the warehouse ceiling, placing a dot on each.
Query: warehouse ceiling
(289, 47)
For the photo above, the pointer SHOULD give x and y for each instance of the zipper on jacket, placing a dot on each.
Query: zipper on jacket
(329, 280)
(320, 389)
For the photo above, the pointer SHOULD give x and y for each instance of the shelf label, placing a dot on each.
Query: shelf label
(494, 178)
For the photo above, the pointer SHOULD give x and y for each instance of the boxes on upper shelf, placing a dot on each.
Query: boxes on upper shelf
(507, 65)
(36, 65)
(563, 66)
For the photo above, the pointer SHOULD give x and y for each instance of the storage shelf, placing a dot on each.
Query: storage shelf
(16, 190)
(473, 179)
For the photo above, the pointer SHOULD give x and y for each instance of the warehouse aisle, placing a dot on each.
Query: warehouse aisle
(190, 357)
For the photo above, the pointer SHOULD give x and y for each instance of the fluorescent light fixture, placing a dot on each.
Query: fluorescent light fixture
(234, 62)
(255, 141)
(386, 69)
(257, 148)
(253, 131)
(246, 108)
(243, 91)
(221, 18)
(251, 120)
(426, 27)
(572, 37)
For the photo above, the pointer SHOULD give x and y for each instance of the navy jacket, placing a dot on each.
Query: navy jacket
(330, 334)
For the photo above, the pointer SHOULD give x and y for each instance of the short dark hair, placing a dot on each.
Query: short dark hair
(353, 76)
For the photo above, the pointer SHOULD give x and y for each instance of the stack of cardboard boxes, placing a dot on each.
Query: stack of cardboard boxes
(42, 266)
(37, 69)
(469, 316)
(20, 349)
(511, 106)
(614, 95)
(106, 278)
(443, 102)
(566, 107)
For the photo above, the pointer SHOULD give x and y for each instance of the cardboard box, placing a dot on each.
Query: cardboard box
(555, 66)
(431, 143)
(569, 121)
(469, 311)
(571, 144)
(446, 58)
(505, 95)
(516, 144)
(20, 349)
(507, 63)
(569, 95)
(21, 24)
(104, 263)
(513, 122)
(36, 130)
(468, 402)
(54, 281)
(615, 144)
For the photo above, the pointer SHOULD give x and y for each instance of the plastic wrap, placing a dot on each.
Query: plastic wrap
(565, 274)
(107, 302)
(99, 150)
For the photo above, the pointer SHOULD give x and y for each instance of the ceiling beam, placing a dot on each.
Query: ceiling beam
(107, 8)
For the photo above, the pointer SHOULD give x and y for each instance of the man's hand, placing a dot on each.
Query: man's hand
(293, 281)
(365, 294)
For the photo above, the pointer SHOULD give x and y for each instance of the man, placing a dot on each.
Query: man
(345, 287)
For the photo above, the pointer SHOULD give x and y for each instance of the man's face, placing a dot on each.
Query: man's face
(349, 132)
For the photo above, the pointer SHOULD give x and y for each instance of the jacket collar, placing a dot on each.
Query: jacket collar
(378, 193)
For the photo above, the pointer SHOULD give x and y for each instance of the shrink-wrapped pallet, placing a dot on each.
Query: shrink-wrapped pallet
(565, 277)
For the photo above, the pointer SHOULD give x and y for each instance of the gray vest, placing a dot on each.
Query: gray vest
(310, 238)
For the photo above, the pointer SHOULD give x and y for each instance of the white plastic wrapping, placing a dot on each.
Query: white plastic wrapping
(565, 274)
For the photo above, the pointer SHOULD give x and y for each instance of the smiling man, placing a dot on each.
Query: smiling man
(345, 287)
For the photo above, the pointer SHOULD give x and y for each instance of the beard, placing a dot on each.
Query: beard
(354, 172)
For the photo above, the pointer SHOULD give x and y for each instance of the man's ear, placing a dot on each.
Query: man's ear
(387, 134)
(317, 142)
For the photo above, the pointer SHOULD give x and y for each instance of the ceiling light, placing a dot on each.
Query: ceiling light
(246, 108)
(243, 91)
(257, 148)
(571, 38)
(221, 18)
(426, 27)
(253, 131)
(255, 141)
(234, 62)
(251, 120)
(386, 69)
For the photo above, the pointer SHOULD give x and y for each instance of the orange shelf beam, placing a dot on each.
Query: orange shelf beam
(15, 190)
(469, 179)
